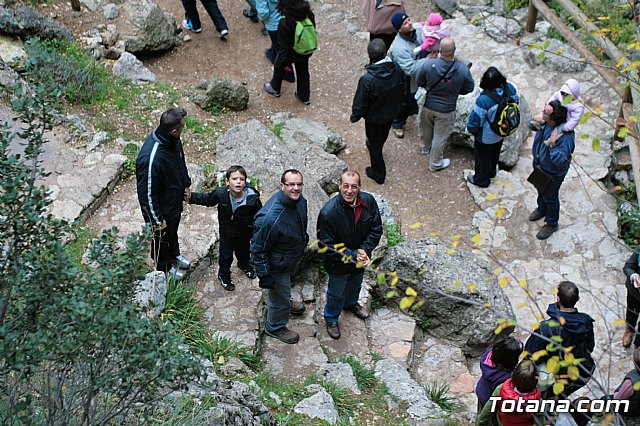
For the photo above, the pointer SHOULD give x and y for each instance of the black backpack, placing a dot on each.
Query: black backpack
(507, 113)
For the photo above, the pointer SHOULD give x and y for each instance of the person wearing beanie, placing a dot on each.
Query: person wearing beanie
(377, 18)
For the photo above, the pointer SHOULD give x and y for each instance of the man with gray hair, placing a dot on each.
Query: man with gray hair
(444, 78)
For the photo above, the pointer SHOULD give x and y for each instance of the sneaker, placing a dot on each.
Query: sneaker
(297, 308)
(183, 262)
(298, 97)
(333, 330)
(175, 273)
(372, 175)
(187, 25)
(536, 215)
(627, 337)
(224, 34)
(358, 310)
(249, 272)
(471, 180)
(226, 283)
(424, 150)
(546, 231)
(398, 133)
(270, 90)
(284, 335)
(251, 15)
(264, 31)
(445, 163)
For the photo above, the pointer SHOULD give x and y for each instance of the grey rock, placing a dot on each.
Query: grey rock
(318, 406)
(111, 11)
(109, 36)
(449, 6)
(8, 76)
(308, 293)
(437, 277)
(300, 129)
(622, 159)
(12, 52)
(276, 399)
(499, 28)
(131, 68)
(622, 177)
(146, 27)
(97, 139)
(112, 53)
(92, 5)
(339, 374)
(150, 294)
(23, 21)
(218, 92)
(234, 367)
(386, 214)
(558, 57)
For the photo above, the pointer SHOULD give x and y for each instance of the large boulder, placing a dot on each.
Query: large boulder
(297, 128)
(510, 151)
(146, 28)
(131, 68)
(499, 28)
(558, 56)
(219, 92)
(25, 22)
(463, 301)
(12, 52)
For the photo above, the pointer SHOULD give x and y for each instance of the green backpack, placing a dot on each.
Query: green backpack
(306, 38)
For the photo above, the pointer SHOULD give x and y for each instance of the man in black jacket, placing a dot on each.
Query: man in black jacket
(350, 226)
(378, 101)
(163, 182)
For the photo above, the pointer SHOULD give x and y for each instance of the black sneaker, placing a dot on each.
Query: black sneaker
(249, 272)
(226, 283)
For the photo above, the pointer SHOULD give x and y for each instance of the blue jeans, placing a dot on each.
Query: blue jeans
(549, 200)
(279, 303)
(342, 291)
(211, 6)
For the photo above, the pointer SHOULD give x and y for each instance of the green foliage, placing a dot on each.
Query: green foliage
(423, 323)
(130, 151)
(394, 234)
(365, 377)
(630, 226)
(73, 348)
(76, 248)
(277, 130)
(515, 4)
(439, 393)
(196, 127)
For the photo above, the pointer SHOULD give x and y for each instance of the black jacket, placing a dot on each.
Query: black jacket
(336, 224)
(379, 94)
(235, 224)
(286, 38)
(161, 176)
(630, 268)
(279, 235)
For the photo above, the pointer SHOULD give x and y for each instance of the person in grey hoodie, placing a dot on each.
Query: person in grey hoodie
(377, 100)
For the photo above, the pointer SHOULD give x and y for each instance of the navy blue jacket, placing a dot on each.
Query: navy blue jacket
(555, 161)
(379, 94)
(483, 113)
(279, 235)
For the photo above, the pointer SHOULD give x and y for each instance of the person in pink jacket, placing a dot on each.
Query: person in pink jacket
(575, 108)
(433, 30)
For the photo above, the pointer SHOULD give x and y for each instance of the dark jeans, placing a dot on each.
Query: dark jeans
(387, 38)
(252, 6)
(376, 137)
(272, 52)
(165, 247)
(301, 64)
(229, 245)
(211, 6)
(486, 156)
(279, 301)
(549, 200)
(409, 106)
(342, 291)
(633, 309)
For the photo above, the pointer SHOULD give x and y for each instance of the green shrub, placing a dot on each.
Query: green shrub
(439, 393)
(365, 377)
(130, 151)
(515, 4)
(277, 130)
(394, 234)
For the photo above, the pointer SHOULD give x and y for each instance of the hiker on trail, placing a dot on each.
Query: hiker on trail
(252, 13)
(551, 162)
(575, 108)
(574, 328)
(632, 271)
(238, 202)
(377, 100)
(278, 243)
(377, 18)
(297, 24)
(486, 143)
(269, 14)
(352, 219)
(444, 80)
(192, 17)
(163, 182)
(496, 365)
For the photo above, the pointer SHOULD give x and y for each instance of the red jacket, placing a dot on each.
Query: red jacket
(516, 419)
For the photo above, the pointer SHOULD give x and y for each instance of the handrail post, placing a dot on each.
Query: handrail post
(532, 17)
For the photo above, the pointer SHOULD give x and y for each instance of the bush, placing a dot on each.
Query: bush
(394, 235)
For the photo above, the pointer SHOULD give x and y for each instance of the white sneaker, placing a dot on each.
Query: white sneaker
(183, 262)
(445, 163)
(224, 34)
(175, 273)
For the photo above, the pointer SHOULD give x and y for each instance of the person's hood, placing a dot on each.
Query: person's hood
(572, 87)
(491, 372)
(574, 322)
(381, 69)
(165, 138)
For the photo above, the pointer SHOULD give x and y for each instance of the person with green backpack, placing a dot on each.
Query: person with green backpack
(297, 40)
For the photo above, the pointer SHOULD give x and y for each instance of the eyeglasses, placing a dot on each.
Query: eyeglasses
(293, 184)
(346, 186)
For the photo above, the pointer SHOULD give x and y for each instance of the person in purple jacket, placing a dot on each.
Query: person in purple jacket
(497, 364)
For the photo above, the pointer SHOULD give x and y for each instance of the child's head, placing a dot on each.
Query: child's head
(525, 376)
(434, 19)
(570, 87)
(236, 176)
(505, 353)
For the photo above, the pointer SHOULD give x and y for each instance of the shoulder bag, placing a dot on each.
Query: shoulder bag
(538, 177)
(421, 94)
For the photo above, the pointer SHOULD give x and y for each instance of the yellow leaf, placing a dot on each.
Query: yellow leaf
(636, 386)
(498, 271)
(381, 278)
(339, 245)
(620, 62)
(417, 305)
(342, 250)
(490, 197)
(504, 282)
(523, 283)
(535, 325)
(558, 387)
(457, 284)
(597, 109)
(537, 355)
(220, 360)
(595, 142)
(406, 302)
(415, 225)
(454, 237)
(477, 239)
(422, 272)
(323, 249)
(569, 358)
(472, 287)
(391, 294)
(451, 251)
(410, 292)
(617, 322)
(455, 243)
(501, 212)
(553, 365)
(562, 320)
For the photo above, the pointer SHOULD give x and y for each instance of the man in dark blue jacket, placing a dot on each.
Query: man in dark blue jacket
(552, 151)
(278, 243)
(163, 182)
(378, 101)
(350, 226)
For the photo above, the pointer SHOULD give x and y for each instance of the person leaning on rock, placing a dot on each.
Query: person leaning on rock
(278, 243)
(351, 218)
(163, 182)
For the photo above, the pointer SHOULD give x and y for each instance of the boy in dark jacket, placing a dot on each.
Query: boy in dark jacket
(377, 100)
(237, 204)
(627, 389)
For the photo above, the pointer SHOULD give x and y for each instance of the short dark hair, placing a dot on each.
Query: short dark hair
(234, 169)
(568, 293)
(525, 376)
(171, 118)
(505, 353)
(492, 79)
(350, 172)
(377, 50)
(559, 114)
(292, 171)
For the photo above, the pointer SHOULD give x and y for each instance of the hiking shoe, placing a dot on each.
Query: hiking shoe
(251, 15)
(398, 133)
(471, 180)
(270, 90)
(627, 337)
(264, 31)
(226, 283)
(284, 335)
(183, 262)
(536, 215)
(546, 231)
(176, 274)
(333, 330)
(372, 175)
(358, 310)
(297, 308)
(445, 163)
(298, 97)
(249, 272)
(224, 34)
(187, 25)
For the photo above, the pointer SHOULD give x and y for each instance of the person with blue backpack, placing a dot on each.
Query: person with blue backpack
(297, 40)
(487, 143)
